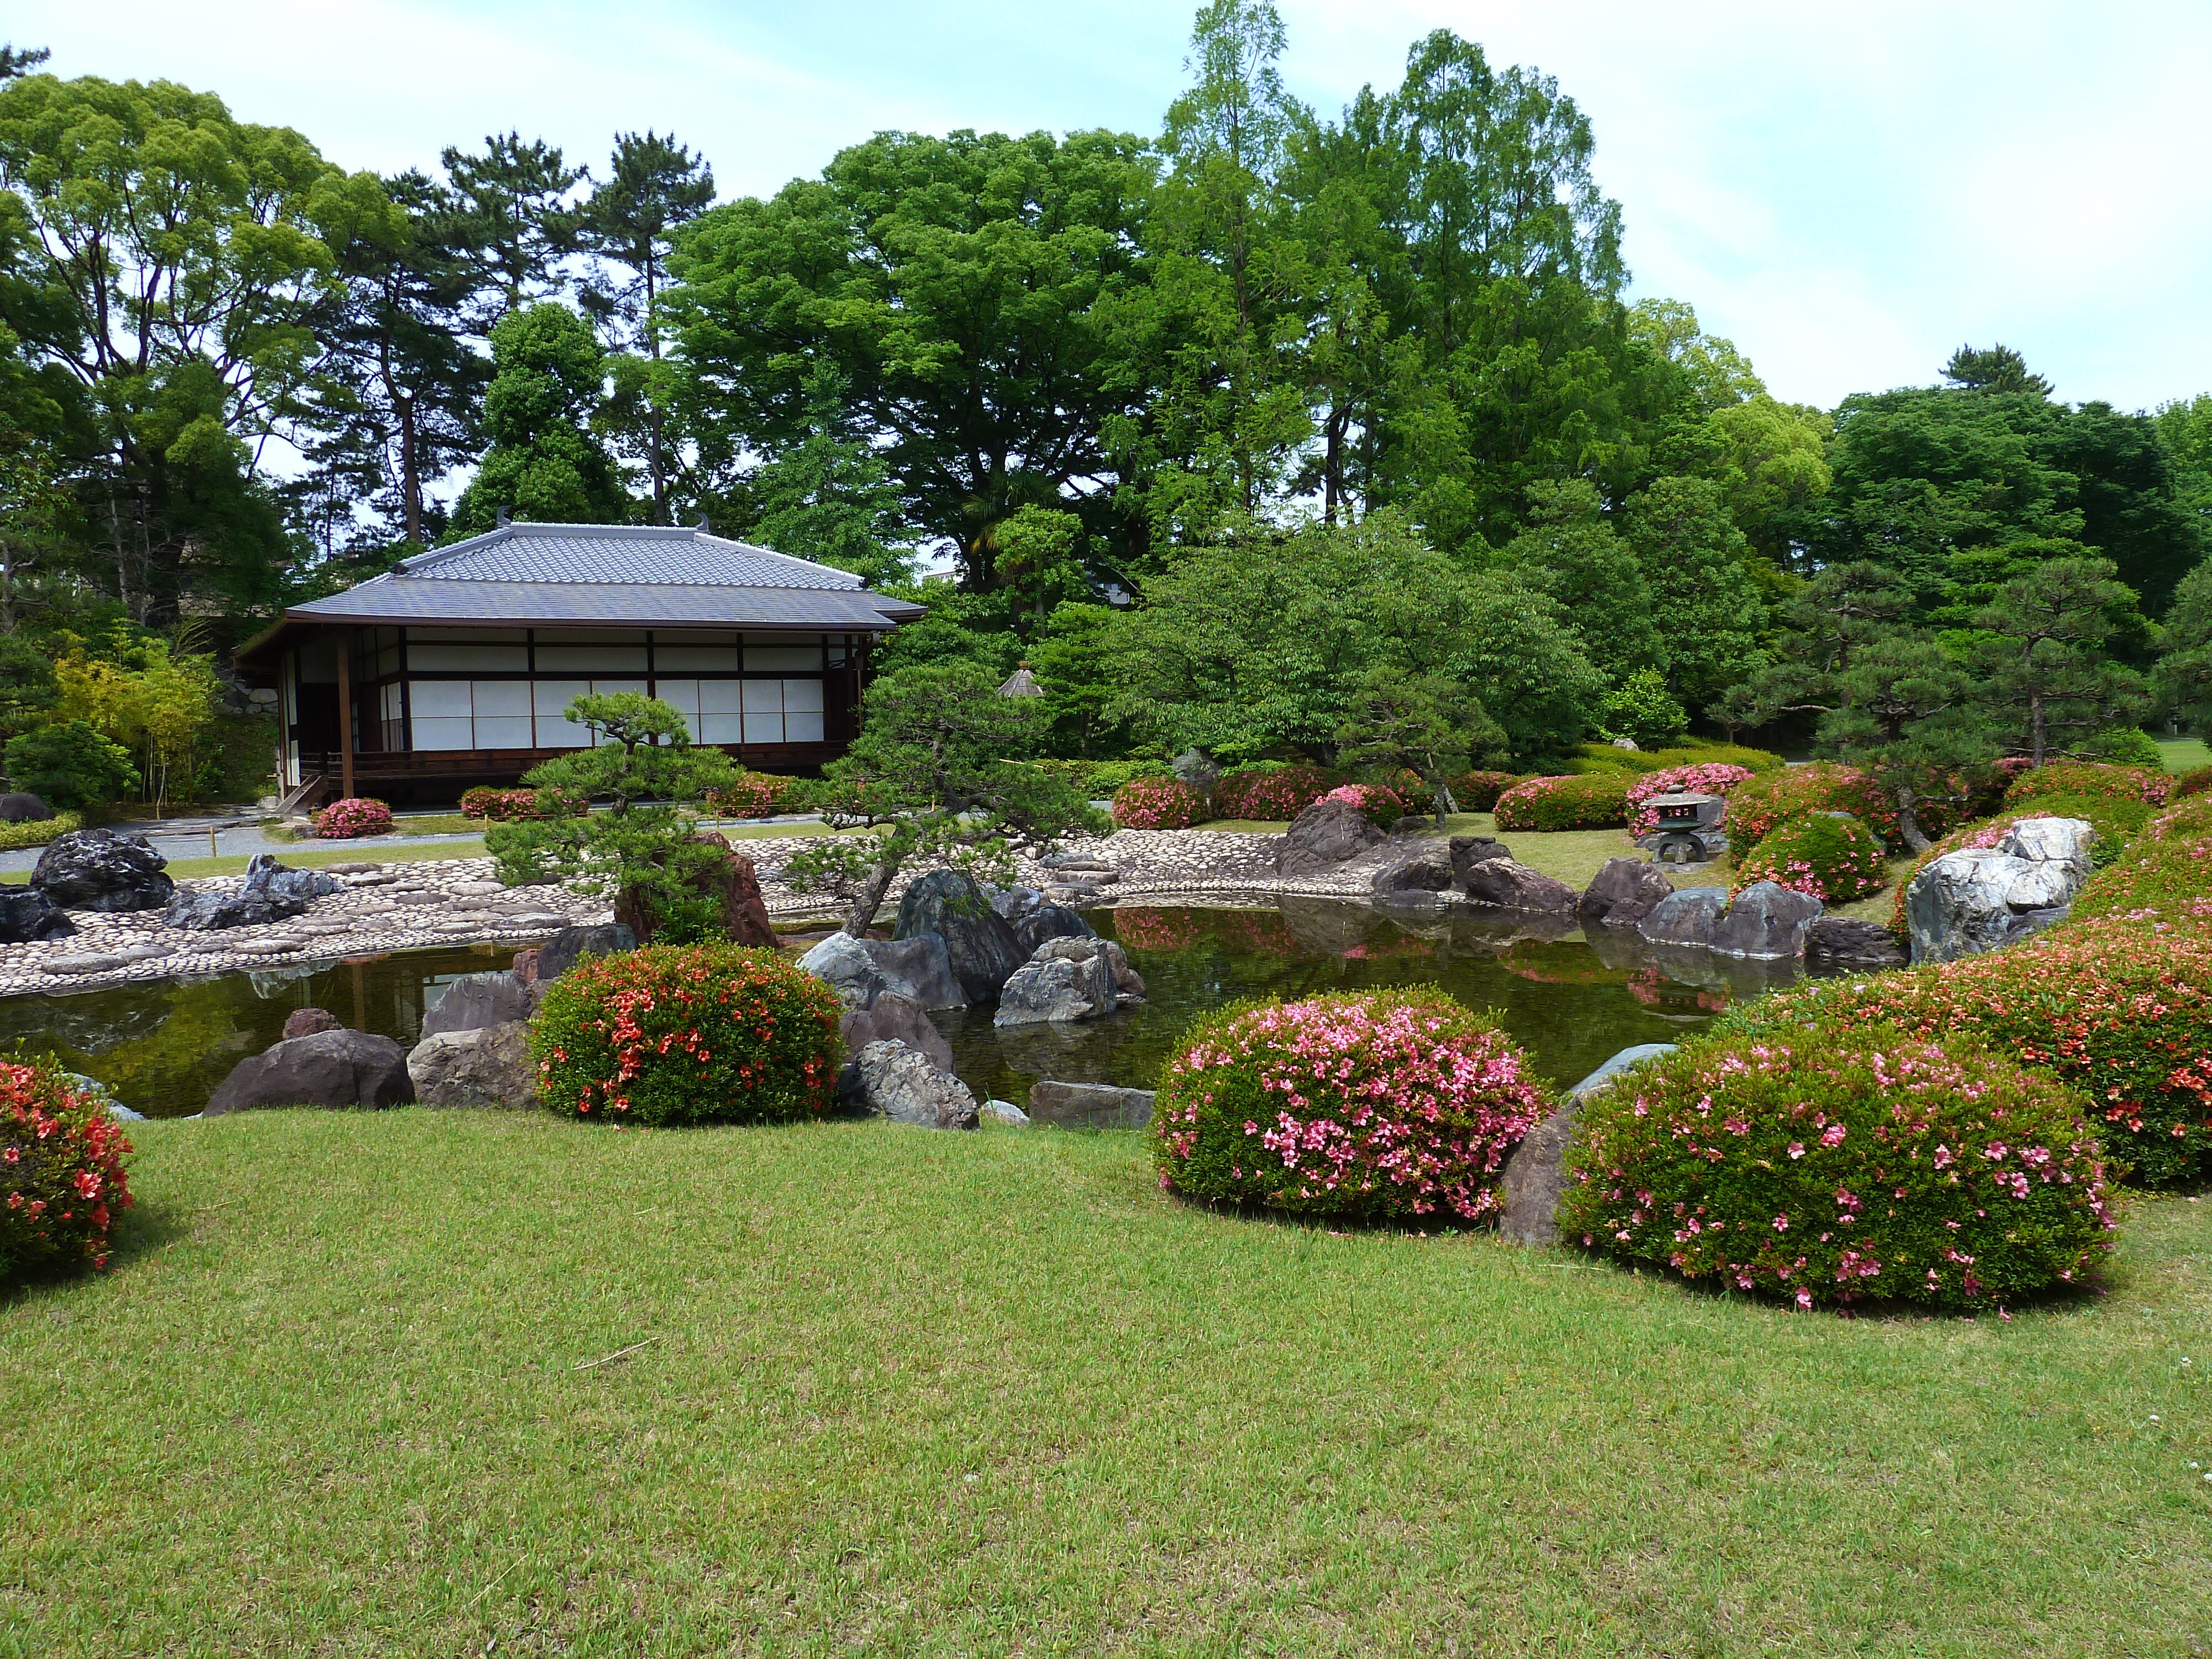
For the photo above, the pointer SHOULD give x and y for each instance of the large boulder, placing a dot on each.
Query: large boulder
(1467, 851)
(892, 1018)
(560, 952)
(1766, 921)
(1089, 1106)
(269, 893)
(731, 883)
(1068, 979)
(1837, 944)
(264, 875)
(99, 870)
(484, 1066)
(475, 1001)
(1535, 1175)
(1622, 893)
(902, 1085)
(19, 807)
(1033, 926)
(1969, 902)
(1422, 869)
(861, 969)
(328, 1069)
(27, 914)
(1322, 837)
(978, 941)
(1512, 885)
(1687, 916)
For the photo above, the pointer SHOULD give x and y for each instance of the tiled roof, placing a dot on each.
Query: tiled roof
(405, 598)
(618, 555)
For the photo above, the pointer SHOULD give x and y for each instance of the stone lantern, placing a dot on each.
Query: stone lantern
(1685, 827)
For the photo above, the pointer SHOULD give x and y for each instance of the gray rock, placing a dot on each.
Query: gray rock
(1467, 851)
(481, 1066)
(306, 1022)
(1013, 903)
(1512, 885)
(978, 941)
(1687, 916)
(99, 870)
(106, 1097)
(328, 1069)
(21, 807)
(1089, 1106)
(264, 875)
(861, 969)
(1622, 893)
(206, 910)
(474, 1002)
(1841, 942)
(890, 1017)
(1535, 1175)
(1068, 979)
(1034, 926)
(560, 952)
(1980, 899)
(1322, 837)
(1424, 869)
(897, 1083)
(1766, 921)
(27, 915)
(1006, 1112)
(1199, 769)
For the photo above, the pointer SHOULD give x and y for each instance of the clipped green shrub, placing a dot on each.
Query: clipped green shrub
(1478, 792)
(1158, 804)
(2165, 875)
(1832, 855)
(1594, 800)
(1642, 709)
(71, 765)
(1765, 800)
(1830, 1165)
(14, 835)
(2141, 783)
(681, 1034)
(1377, 1103)
(2128, 746)
(1687, 752)
(62, 1179)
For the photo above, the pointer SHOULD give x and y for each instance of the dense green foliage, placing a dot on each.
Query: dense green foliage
(71, 765)
(1595, 801)
(1832, 855)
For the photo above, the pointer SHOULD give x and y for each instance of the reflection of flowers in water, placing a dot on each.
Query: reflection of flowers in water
(1406, 944)
(1656, 990)
(1155, 930)
(1262, 932)
(1551, 963)
(1256, 933)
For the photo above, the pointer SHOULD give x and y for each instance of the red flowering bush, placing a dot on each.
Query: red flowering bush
(1757, 806)
(1158, 804)
(499, 805)
(1478, 792)
(1382, 1103)
(2120, 1011)
(1831, 855)
(2164, 876)
(1377, 803)
(1829, 1166)
(2197, 782)
(61, 1181)
(2071, 778)
(676, 1034)
(1269, 794)
(1705, 778)
(753, 795)
(1590, 801)
(356, 815)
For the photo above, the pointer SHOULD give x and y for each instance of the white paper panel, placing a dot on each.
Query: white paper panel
(719, 728)
(501, 698)
(551, 698)
(804, 725)
(762, 697)
(802, 695)
(590, 658)
(718, 697)
(503, 732)
(440, 699)
(444, 732)
(764, 728)
(678, 694)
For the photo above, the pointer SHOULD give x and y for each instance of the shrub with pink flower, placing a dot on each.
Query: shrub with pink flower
(1270, 794)
(1478, 792)
(1378, 804)
(1588, 800)
(1831, 855)
(1158, 804)
(1381, 1103)
(2068, 778)
(753, 795)
(1823, 1165)
(1708, 778)
(1767, 798)
(62, 1181)
(354, 816)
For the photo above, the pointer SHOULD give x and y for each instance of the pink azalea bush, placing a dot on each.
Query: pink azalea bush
(1765, 800)
(1378, 804)
(1381, 1103)
(1269, 794)
(62, 1179)
(1827, 1166)
(1588, 800)
(1706, 777)
(1831, 855)
(354, 816)
(753, 795)
(1158, 804)
(2068, 778)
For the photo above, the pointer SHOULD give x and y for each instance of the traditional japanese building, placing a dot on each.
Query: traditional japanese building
(456, 668)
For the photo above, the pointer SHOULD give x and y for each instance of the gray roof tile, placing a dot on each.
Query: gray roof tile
(404, 599)
(598, 554)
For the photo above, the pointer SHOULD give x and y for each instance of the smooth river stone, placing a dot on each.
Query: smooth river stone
(98, 963)
(264, 947)
(534, 919)
(416, 896)
(471, 887)
(143, 952)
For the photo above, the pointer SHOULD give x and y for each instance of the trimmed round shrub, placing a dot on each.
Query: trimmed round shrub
(1478, 792)
(2120, 1011)
(1758, 805)
(2127, 745)
(676, 1034)
(1831, 855)
(1829, 1165)
(1379, 804)
(1377, 1103)
(1270, 794)
(2195, 782)
(2165, 875)
(1703, 778)
(1590, 800)
(353, 816)
(1158, 804)
(61, 1181)
(752, 795)
(2086, 778)
(499, 805)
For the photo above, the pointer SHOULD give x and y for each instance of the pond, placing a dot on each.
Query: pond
(164, 1045)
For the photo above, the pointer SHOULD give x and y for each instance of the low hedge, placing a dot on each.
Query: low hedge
(62, 1179)
(1158, 804)
(1379, 1105)
(1594, 800)
(2165, 875)
(1832, 855)
(2088, 778)
(1270, 794)
(1689, 751)
(752, 795)
(1758, 804)
(1826, 1164)
(1478, 792)
(15, 835)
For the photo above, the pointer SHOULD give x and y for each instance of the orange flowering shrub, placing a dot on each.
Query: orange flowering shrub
(2195, 782)
(1827, 1165)
(61, 1181)
(678, 1034)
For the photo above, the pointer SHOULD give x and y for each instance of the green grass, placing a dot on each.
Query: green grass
(918, 1394)
(2184, 754)
(1569, 856)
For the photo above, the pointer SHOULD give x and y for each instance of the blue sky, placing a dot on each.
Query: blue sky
(1848, 193)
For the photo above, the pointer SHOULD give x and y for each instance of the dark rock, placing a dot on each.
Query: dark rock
(1536, 1174)
(526, 965)
(899, 1082)
(1687, 916)
(99, 870)
(731, 882)
(27, 914)
(560, 953)
(1089, 1106)
(306, 1022)
(1426, 869)
(1068, 979)
(485, 1066)
(264, 875)
(204, 909)
(862, 969)
(475, 1001)
(328, 1069)
(1034, 926)
(1835, 942)
(1322, 837)
(978, 941)
(1014, 902)
(1768, 921)
(1467, 851)
(1623, 892)
(19, 807)
(891, 1017)
(1512, 885)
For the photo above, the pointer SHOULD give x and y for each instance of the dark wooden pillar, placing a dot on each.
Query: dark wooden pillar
(345, 713)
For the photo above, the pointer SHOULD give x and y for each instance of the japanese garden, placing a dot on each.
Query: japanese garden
(1071, 892)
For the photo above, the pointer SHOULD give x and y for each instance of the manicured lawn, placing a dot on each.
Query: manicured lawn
(908, 1392)
(2184, 754)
